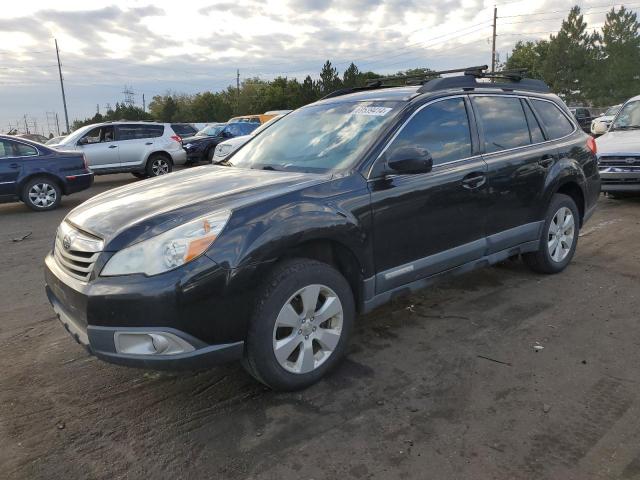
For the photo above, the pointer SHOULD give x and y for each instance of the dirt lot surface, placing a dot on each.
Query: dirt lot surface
(445, 384)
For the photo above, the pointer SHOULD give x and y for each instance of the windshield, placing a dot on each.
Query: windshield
(318, 138)
(211, 130)
(611, 111)
(628, 118)
(266, 125)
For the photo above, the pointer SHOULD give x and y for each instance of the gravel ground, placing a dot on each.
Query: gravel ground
(445, 384)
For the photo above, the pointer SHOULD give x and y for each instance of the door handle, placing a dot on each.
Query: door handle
(149, 143)
(474, 180)
(14, 165)
(113, 146)
(546, 161)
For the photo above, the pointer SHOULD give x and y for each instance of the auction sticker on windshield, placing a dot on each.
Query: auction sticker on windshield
(373, 111)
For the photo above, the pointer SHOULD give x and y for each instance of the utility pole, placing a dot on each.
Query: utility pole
(238, 89)
(493, 48)
(144, 104)
(64, 98)
(57, 124)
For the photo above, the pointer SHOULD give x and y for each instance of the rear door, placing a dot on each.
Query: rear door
(135, 140)
(100, 148)
(518, 160)
(430, 222)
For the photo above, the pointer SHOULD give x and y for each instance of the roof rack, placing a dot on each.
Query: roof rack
(432, 81)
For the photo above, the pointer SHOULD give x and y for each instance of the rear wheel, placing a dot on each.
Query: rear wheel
(559, 238)
(300, 326)
(41, 194)
(158, 165)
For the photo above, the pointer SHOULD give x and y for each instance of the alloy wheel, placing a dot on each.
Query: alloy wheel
(562, 230)
(160, 166)
(42, 195)
(308, 329)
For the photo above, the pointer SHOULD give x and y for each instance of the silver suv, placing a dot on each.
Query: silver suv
(146, 149)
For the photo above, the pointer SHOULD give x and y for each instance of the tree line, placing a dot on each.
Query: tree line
(592, 68)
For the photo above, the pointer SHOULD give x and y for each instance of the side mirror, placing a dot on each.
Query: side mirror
(410, 160)
(600, 128)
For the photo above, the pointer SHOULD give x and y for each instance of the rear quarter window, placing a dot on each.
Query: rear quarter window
(133, 132)
(184, 130)
(554, 121)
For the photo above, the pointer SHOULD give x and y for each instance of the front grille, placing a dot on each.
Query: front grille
(628, 162)
(76, 252)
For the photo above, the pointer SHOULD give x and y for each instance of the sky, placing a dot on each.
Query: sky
(188, 47)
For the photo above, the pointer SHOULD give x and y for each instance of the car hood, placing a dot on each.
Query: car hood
(619, 142)
(141, 210)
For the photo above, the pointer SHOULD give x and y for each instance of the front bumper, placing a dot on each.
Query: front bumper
(95, 313)
(179, 157)
(620, 181)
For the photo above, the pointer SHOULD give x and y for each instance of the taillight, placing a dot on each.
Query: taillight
(591, 145)
(177, 138)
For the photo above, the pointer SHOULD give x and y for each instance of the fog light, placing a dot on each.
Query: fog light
(150, 343)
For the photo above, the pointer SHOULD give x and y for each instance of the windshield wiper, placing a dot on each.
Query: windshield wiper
(626, 127)
(269, 167)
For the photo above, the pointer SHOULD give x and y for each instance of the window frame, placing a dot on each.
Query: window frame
(545, 132)
(10, 140)
(373, 170)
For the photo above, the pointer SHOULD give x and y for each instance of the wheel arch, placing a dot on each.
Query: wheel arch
(27, 178)
(573, 189)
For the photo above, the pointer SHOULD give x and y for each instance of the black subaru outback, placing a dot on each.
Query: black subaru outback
(341, 206)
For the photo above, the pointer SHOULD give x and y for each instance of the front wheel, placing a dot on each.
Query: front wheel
(158, 165)
(559, 237)
(300, 326)
(41, 194)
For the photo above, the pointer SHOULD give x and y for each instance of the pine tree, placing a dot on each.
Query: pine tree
(351, 76)
(329, 79)
(529, 55)
(569, 67)
(619, 64)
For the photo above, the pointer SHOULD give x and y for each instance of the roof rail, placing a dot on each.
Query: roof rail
(431, 81)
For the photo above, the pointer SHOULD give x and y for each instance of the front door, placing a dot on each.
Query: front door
(100, 148)
(430, 222)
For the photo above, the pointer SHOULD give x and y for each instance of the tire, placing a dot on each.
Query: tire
(140, 175)
(41, 194)
(158, 165)
(556, 249)
(316, 339)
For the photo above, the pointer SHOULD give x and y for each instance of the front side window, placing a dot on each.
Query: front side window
(555, 122)
(628, 118)
(503, 122)
(441, 128)
(318, 138)
(99, 135)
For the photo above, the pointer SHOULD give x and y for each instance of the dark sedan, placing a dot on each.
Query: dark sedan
(39, 176)
(201, 147)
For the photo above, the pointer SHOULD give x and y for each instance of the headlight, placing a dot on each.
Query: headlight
(223, 150)
(170, 249)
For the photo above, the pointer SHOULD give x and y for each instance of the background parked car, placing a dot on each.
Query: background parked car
(184, 129)
(210, 130)
(202, 147)
(39, 176)
(34, 137)
(55, 140)
(600, 125)
(259, 119)
(227, 147)
(619, 151)
(146, 149)
(584, 117)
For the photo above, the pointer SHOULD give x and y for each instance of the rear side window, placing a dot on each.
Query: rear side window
(534, 126)
(23, 150)
(183, 129)
(503, 122)
(554, 121)
(133, 132)
(442, 128)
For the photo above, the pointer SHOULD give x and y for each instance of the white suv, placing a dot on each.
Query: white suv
(146, 149)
